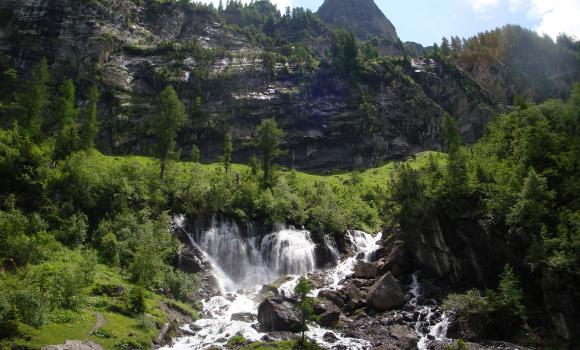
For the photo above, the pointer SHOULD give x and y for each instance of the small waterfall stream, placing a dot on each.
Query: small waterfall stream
(243, 262)
(429, 324)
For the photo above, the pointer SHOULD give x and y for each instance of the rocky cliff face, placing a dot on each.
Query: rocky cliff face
(229, 80)
(364, 18)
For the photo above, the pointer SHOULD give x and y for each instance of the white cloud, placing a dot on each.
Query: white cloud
(557, 16)
(554, 16)
(483, 5)
(517, 5)
(281, 4)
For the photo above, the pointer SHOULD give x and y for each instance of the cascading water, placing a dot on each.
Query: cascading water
(429, 324)
(251, 260)
(242, 263)
(361, 242)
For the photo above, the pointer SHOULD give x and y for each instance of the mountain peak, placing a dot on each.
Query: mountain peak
(362, 17)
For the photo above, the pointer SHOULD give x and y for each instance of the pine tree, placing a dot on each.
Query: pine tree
(171, 116)
(305, 303)
(228, 149)
(67, 139)
(35, 99)
(195, 154)
(445, 47)
(451, 136)
(528, 214)
(455, 45)
(90, 125)
(269, 138)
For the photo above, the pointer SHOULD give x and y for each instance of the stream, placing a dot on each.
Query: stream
(243, 263)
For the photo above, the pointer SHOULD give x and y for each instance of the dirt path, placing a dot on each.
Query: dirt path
(100, 322)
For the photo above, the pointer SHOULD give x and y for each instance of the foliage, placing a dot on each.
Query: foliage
(236, 340)
(468, 303)
(34, 99)
(345, 54)
(457, 345)
(268, 139)
(67, 139)
(228, 149)
(8, 318)
(171, 115)
(136, 301)
(90, 125)
(305, 303)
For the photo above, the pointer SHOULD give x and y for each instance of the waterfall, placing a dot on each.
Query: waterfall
(251, 259)
(330, 245)
(362, 242)
(288, 252)
(429, 324)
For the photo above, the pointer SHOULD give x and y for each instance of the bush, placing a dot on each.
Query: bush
(31, 307)
(236, 340)
(467, 303)
(61, 280)
(145, 322)
(458, 345)
(74, 230)
(181, 284)
(8, 319)
(136, 302)
(103, 333)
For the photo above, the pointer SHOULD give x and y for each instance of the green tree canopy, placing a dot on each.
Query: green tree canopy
(65, 112)
(35, 99)
(90, 125)
(228, 150)
(170, 118)
(268, 139)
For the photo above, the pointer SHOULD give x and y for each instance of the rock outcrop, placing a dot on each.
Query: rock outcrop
(386, 293)
(362, 17)
(328, 313)
(365, 270)
(275, 314)
(223, 79)
(75, 345)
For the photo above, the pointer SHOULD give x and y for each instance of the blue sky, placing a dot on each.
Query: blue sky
(427, 21)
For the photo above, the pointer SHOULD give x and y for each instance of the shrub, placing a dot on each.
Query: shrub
(458, 345)
(31, 307)
(236, 340)
(467, 303)
(181, 284)
(8, 319)
(74, 230)
(136, 302)
(103, 333)
(145, 322)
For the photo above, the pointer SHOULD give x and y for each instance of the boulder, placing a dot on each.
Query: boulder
(275, 314)
(247, 317)
(189, 260)
(74, 345)
(387, 347)
(352, 292)
(406, 337)
(333, 296)
(330, 337)
(327, 312)
(365, 270)
(273, 336)
(386, 294)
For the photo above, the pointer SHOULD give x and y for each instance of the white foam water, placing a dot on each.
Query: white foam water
(438, 330)
(242, 263)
